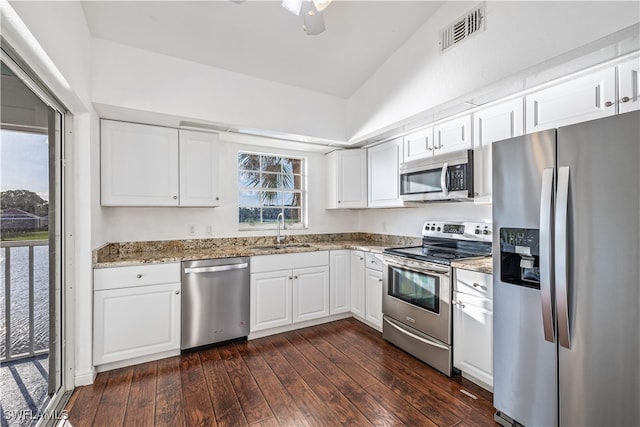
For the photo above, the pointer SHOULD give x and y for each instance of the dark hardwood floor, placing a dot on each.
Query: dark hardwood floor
(339, 373)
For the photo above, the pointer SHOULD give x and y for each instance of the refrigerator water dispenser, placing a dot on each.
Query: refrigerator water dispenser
(520, 256)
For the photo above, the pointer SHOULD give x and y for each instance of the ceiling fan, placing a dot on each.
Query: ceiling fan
(311, 10)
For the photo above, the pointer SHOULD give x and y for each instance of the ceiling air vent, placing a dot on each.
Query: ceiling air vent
(462, 28)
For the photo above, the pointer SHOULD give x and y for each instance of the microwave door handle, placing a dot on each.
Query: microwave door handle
(443, 179)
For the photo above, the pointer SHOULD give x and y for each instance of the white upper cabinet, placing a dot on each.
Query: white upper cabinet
(198, 169)
(581, 99)
(629, 85)
(144, 165)
(139, 164)
(347, 179)
(418, 145)
(384, 174)
(454, 135)
(495, 123)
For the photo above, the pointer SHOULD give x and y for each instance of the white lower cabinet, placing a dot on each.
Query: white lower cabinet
(271, 299)
(339, 282)
(357, 284)
(310, 293)
(373, 284)
(288, 288)
(136, 312)
(373, 291)
(473, 326)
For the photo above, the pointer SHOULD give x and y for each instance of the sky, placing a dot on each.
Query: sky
(24, 162)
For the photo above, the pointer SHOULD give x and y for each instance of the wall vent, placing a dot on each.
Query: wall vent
(462, 28)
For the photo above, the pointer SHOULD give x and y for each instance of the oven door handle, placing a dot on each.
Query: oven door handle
(390, 263)
(414, 336)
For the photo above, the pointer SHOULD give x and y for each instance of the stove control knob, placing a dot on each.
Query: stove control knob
(477, 231)
(433, 229)
(438, 229)
(485, 231)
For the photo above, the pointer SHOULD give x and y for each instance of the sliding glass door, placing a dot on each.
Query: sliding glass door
(31, 248)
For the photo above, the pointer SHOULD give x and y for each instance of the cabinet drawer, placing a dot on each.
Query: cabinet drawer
(474, 283)
(373, 262)
(135, 275)
(264, 263)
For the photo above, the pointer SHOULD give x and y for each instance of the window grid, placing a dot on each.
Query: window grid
(269, 185)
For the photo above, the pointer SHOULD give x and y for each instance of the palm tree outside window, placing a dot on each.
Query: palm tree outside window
(269, 185)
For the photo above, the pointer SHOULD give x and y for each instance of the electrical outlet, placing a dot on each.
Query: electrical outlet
(209, 230)
(192, 229)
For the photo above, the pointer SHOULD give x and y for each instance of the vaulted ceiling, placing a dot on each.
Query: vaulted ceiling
(262, 39)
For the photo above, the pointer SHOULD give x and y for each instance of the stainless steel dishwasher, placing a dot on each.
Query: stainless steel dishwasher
(215, 301)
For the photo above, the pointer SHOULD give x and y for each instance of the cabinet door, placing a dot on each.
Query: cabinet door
(198, 169)
(384, 174)
(498, 122)
(473, 337)
(418, 145)
(310, 293)
(357, 284)
(352, 179)
(339, 282)
(134, 322)
(271, 299)
(139, 164)
(373, 291)
(578, 100)
(629, 85)
(454, 135)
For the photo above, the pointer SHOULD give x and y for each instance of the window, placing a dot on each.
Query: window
(270, 185)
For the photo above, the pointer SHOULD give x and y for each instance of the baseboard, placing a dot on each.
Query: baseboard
(85, 378)
(294, 326)
(137, 360)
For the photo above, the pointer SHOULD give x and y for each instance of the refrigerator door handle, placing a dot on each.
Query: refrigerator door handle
(561, 279)
(546, 214)
(443, 179)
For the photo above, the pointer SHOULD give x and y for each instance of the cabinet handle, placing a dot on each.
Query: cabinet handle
(175, 197)
(290, 277)
(217, 198)
(361, 259)
(295, 277)
(625, 99)
(475, 285)
(608, 104)
(177, 292)
(339, 201)
(458, 303)
(139, 276)
(379, 280)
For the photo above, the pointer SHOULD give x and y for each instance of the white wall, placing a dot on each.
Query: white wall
(56, 44)
(408, 221)
(518, 35)
(138, 224)
(141, 80)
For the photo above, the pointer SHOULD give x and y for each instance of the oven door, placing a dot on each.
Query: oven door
(418, 294)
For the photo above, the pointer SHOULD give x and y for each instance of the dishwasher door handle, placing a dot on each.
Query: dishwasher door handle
(215, 269)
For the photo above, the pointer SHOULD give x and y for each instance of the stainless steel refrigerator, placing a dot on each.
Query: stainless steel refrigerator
(566, 275)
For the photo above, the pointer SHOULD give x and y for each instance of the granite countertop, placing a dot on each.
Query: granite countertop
(481, 264)
(135, 253)
(155, 252)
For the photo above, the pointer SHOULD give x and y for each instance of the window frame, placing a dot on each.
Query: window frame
(303, 224)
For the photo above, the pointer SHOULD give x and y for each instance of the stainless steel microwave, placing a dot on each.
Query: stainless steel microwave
(440, 178)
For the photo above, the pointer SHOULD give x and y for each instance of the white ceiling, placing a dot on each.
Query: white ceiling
(262, 39)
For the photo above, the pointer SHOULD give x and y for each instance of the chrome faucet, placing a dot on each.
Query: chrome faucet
(279, 218)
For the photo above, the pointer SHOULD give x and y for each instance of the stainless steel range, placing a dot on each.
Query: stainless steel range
(416, 306)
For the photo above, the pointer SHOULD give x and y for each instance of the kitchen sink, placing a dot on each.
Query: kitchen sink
(282, 246)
